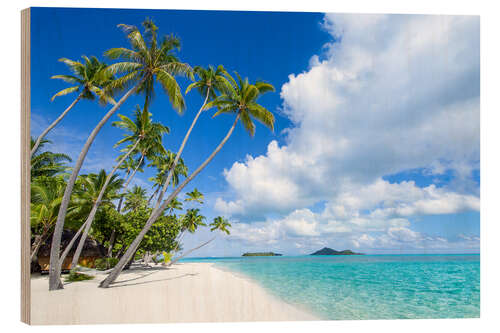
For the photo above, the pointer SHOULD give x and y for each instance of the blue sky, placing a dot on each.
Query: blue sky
(376, 143)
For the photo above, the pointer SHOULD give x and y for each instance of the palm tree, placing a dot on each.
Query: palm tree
(211, 81)
(46, 194)
(195, 195)
(90, 79)
(148, 133)
(240, 99)
(135, 199)
(174, 204)
(148, 61)
(190, 223)
(221, 224)
(164, 163)
(46, 163)
(95, 190)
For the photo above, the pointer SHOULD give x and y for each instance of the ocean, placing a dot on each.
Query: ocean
(368, 286)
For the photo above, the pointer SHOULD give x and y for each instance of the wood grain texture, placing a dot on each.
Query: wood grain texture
(25, 166)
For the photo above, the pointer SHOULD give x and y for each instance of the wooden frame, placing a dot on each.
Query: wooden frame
(25, 165)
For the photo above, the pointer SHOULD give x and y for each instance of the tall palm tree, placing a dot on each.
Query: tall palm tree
(189, 222)
(135, 198)
(142, 129)
(46, 163)
(90, 79)
(195, 195)
(148, 61)
(164, 163)
(211, 81)
(240, 99)
(221, 224)
(46, 194)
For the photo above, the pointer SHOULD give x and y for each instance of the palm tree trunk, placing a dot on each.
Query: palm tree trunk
(157, 212)
(178, 241)
(128, 182)
(39, 239)
(153, 195)
(54, 123)
(188, 252)
(112, 238)
(178, 155)
(91, 216)
(54, 270)
(111, 243)
(70, 245)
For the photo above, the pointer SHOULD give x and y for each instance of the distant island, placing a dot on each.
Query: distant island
(260, 254)
(326, 251)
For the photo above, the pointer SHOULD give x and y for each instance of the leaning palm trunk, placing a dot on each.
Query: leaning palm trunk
(153, 195)
(91, 216)
(54, 123)
(178, 155)
(188, 252)
(178, 241)
(111, 243)
(39, 239)
(70, 245)
(157, 212)
(54, 271)
(119, 209)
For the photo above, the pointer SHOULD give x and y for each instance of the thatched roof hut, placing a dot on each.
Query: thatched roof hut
(91, 251)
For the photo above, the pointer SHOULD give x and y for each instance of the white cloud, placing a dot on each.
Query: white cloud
(396, 93)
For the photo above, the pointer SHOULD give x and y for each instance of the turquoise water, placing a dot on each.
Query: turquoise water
(370, 286)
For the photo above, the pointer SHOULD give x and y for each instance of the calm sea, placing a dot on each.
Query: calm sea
(369, 286)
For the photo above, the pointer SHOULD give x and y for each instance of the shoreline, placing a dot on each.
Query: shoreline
(186, 292)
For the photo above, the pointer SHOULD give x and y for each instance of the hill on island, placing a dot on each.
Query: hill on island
(260, 254)
(326, 251)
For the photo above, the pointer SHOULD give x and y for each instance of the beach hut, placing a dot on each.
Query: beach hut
(90, 252)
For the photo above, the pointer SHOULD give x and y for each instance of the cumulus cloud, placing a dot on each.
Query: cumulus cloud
(391, 93)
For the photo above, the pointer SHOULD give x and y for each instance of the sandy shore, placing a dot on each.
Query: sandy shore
(187, 292)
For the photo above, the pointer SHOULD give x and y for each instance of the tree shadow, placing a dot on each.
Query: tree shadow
(115, 285)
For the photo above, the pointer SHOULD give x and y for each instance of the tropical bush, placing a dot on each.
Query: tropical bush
(103, 264)
(75, 276)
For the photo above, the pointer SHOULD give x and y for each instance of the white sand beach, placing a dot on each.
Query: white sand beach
(186, 292)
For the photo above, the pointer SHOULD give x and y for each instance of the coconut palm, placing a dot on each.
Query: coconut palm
(174, 205)
(240, 99)
(148, 61)
(46, 163)
(96, 190)
(46, 194)
(148, 133)
(189, 223)
(90, 79)
(91, 185)
(135, 198)
(211, 81)
(195, 195)
(221, 224)
(164, 163)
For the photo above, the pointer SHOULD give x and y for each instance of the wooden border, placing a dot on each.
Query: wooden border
(25, 165)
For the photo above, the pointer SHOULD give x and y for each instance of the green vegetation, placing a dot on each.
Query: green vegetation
(326, 251)
(260, 254)
(75, 276)
(130, 223)
(103, 264)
